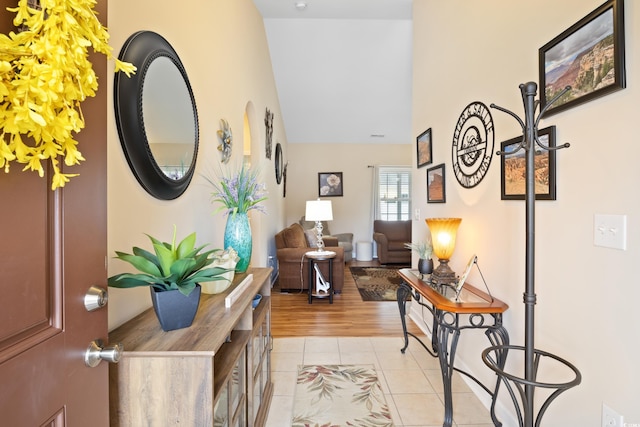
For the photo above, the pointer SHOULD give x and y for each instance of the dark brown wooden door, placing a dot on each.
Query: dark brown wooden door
(52, 249)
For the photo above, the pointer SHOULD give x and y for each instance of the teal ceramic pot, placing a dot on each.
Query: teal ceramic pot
(237, 235)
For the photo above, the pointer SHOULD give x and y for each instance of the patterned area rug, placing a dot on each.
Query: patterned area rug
(339, 395)
(377, 283)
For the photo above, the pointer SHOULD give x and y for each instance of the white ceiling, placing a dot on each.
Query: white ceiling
(342, 69)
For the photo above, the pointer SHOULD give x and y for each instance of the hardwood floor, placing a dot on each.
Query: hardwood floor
(348, 316)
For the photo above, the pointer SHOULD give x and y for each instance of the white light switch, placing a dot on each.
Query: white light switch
(610, 231)
(416, 214)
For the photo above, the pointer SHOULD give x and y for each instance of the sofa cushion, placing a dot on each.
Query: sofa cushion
(311, 224)
(312, 238)
(294, 237)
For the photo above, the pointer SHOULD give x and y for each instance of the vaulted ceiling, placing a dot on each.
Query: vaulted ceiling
(342, 68)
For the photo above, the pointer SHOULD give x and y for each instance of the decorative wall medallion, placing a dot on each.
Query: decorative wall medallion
(472, 147)
(268, 123)
(226, 140)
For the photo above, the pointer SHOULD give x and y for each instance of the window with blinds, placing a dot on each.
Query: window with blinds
(394, 193)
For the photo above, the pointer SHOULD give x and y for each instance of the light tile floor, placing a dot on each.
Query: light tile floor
(411, 382)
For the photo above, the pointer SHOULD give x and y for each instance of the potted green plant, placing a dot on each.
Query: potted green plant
(173, 273)
(424, 251)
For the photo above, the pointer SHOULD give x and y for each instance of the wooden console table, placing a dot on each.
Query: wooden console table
(215, 372)
(473, 309)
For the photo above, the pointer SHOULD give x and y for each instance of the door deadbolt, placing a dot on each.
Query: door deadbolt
(95, 298)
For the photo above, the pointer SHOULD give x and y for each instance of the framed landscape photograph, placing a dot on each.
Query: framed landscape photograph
(588, 57)
(435, 184)
(330, 184)
(423, 145)
(513, 163)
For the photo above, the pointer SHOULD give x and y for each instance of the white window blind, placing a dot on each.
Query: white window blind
(393, 193)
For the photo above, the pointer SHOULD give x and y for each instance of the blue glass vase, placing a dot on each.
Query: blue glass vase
(237, 235)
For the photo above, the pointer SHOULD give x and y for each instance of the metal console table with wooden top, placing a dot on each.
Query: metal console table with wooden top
(471, 309)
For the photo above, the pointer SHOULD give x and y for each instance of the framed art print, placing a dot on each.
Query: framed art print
(513, 168)
(435, 184)
(330, 184)
(424, 148)
(588, 57)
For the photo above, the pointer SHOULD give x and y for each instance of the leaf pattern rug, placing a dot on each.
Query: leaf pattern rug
(377, 283)
(339, 396)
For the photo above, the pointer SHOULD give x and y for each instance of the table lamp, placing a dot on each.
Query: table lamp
(318, 211)
(443, 239)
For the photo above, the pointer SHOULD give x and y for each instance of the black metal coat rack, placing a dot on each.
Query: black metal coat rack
(495, 356)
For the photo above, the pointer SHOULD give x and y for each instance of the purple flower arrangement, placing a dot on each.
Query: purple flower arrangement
(240, 192)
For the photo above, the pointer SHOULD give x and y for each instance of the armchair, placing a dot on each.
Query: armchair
(345, 240)
(390, 237)
(293, 268)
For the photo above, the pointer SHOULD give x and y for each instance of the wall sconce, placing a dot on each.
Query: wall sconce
(443, 239)
(318, 211)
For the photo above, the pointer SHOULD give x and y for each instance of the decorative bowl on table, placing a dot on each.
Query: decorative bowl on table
(256, 300)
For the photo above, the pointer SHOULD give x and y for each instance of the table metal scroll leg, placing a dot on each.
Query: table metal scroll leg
(446, 356)
(498, 336)
(434, 329)
(330, 280)
(311, 281)
(401, 294)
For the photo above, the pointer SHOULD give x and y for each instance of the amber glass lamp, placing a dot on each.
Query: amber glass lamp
(443, 239)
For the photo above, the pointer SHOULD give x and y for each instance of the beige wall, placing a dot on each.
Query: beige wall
(352, 212)
(223, 47)
(468, 51)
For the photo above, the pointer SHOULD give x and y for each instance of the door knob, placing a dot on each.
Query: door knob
(97, 353)
(95, 298)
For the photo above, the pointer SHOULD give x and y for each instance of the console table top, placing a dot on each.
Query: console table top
(472, 299)
(143, 335)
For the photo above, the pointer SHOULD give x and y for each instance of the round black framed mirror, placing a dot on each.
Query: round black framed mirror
(279, 163)
(156, 116)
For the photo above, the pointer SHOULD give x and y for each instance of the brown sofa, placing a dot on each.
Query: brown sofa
(291, 245)
(390, 237)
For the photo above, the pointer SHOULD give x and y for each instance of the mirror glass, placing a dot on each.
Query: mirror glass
(156, 116)
(168, 118)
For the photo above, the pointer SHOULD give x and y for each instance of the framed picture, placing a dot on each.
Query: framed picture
(330, 184)
(589, 57)
(435, 184)
(513, 168)
(423, 146)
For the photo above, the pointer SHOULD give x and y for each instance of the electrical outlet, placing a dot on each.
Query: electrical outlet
(611, 418)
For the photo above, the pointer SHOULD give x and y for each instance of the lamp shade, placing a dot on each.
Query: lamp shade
(443, 235)
(318, 210)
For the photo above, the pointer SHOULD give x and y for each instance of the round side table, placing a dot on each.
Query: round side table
(314, 257)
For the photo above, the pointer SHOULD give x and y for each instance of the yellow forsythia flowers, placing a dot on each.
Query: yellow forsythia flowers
(44, 76)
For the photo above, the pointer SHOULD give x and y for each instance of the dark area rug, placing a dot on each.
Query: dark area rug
(377, 283)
